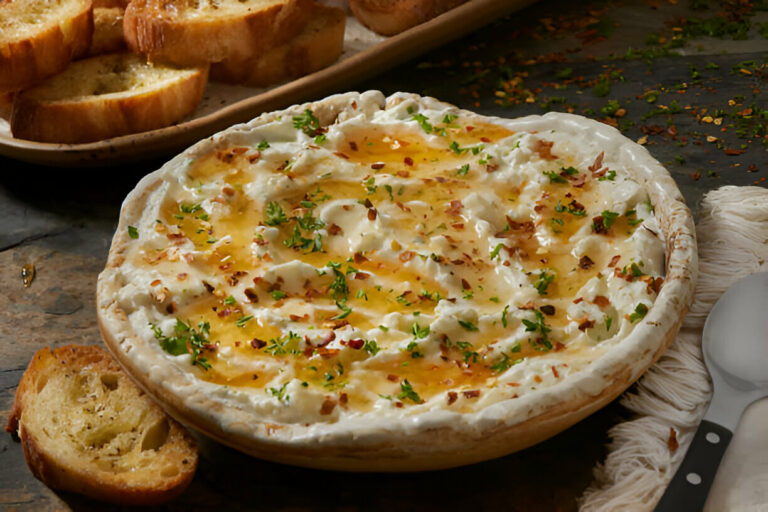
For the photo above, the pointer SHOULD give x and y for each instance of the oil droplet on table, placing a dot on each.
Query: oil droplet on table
(27, 274)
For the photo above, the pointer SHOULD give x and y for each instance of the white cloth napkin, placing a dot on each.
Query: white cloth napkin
(732, 242)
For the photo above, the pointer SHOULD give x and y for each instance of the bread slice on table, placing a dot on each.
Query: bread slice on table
(106, 96)
(85, 427)
(190, 32)
(317, 46)
(107, 31)
(390, 17)
(40, 38)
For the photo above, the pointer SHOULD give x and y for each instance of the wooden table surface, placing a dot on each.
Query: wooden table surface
(699, 113)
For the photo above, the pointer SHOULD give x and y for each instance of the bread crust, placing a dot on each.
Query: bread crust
(411, 446)
(45, 445)
(317, 46)
(164, 31)
(27, 60)
(390, 17)
(51, 113)
(107, 31)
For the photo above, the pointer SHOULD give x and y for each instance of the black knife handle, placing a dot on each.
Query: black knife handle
(688, 490)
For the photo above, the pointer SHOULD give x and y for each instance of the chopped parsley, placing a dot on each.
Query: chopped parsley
(468, 325)
(243, 320)
(371, 347)
(463, 170)
(307, 123)
(539, 326)
(263, 145)
(543, 282)
(467, 351)
(133, 232)
(609, 176)
(495, 251)
(280, 393)
(506, 361)
(230, 301)
(418, 331)
(278, 294)
(504, 315)
(639, 313)
(275, 214)
(554, 177)
(185, 339)
(407, 393)
(423, 122)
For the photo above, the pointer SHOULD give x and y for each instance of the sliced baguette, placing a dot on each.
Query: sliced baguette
(193, 32)
(40, 38)
(106, 96)
(107, 31)
(317, 46)
(85, 427)
(390, 17)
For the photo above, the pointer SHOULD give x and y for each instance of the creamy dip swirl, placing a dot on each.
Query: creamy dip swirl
(398, 261)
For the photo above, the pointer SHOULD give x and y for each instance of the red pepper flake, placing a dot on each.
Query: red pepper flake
(257, 343)
(489, 168)
(377, 165)
(586, 262)
(547, 309)
(601, 301)
(353, 145)
(402, 207)
(372, 214)
(408, 161)
(586, 324)
(527, 306)
(229, 191)
(406, 256)
(578, 180)
(455, 208)
(696, 176)
(554, 372)
(403, 174)
(672, 443)
(598, 163)
(155, 282)
(254, 157)
(734, 152)
(544, 149)
(465, 284)
(513, 384)
(458, 225)
(471, 393)
(251, 295)
(399, 405)
(358, 258)
(598, 226)
(182, 276)
(334, 229)
(328, 406)
(341, 155)
(614, 260)
(343, 399)
(537, 378)
(356, 344)
(452, 397)
(393, 378)
(361, 276)
(297, 318)
(577, 300)
(525, 226)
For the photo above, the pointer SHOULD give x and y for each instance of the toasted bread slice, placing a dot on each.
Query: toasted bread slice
(85, 427)
(317, 46)
(107, 31)
(389, 17)
(39, 39)
(106, 96)
(193, 32)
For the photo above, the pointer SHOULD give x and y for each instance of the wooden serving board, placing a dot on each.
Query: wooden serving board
(365, 54)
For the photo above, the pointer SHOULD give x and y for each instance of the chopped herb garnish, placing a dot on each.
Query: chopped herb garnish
(541, 343)
(230, 301)
(468, 325)
(608, 322)
(275, 214)
(467, 352)
(280, 393)
(263, 145)
(504, 315)
(407, 392)
(133, 232)
(506, 362)
(609, 176)
(449, 118)
(278, 294)
(544, 280)
(640, 312)
(371, 347)
(307, 122)
(495, 251)
(463, 170)
(423, 122)
(184, 339)
(418, 331)
(243, 320)
(554, 177)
